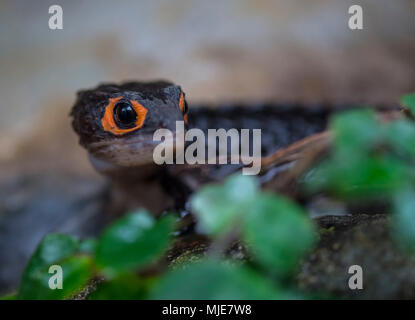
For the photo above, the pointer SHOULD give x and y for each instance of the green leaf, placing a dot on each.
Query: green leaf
(356, 131)
(404, 219)
(401, 137)
(279, 232)
(212, 280)
(126, 286)
(76, 271)
(88, 245)
(53, 248)
(359, 176)
(133, 242)
(409, 102)
(217, 207)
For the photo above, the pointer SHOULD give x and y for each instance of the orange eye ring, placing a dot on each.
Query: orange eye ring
(108, 121)
(182, 105)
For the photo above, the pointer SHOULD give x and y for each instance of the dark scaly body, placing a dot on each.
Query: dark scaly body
(280, 124)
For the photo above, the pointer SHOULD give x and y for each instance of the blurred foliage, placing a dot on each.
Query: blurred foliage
(409, 102)
(129, 253)
(266, 221)
(369, 160)
(218, 208)
(213, 279)
(55, 249)
(373, 160)
(363, 162)
(134, 241)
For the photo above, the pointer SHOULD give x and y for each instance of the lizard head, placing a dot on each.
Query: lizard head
(116, 123)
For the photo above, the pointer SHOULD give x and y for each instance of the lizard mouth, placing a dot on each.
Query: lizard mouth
(126, 151)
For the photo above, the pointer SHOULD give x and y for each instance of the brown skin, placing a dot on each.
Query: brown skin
(115, 123)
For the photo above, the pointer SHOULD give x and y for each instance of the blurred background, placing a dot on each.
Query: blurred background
(218, 51)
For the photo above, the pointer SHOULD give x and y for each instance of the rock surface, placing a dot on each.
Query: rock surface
(364, 240)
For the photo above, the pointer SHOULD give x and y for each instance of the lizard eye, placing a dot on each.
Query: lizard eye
(122, 116)
(125, 115)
